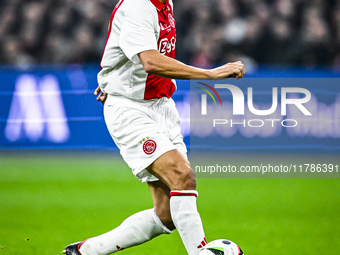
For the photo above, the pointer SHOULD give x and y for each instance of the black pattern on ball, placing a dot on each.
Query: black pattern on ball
(226, 242)
(215, 251)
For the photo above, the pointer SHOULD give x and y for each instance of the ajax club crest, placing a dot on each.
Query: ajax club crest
(149, 146)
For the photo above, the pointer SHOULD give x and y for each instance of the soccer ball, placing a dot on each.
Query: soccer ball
(221, 247)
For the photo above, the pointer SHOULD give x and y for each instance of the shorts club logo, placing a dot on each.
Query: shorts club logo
(149, 147)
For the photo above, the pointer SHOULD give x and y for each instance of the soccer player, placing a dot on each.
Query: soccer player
(135, 85)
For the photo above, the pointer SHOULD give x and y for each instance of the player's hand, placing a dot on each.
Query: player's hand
(101, 97)
(230, 70)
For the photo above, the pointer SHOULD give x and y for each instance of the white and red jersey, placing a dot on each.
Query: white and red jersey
(137, 26)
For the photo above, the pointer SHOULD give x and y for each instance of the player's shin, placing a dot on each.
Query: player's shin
(187, 220)
(135, 230)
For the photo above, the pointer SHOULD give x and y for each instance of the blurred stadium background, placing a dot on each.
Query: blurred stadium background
(60, 172)
(284, 32)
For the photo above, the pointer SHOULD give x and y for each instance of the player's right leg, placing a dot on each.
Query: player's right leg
(135, 230)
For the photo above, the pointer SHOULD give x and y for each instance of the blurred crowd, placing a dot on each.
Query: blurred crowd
(280, 32)
(209, 32)
(53, 31)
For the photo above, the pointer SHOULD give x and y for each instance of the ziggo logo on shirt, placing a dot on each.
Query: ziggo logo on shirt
(166, 45)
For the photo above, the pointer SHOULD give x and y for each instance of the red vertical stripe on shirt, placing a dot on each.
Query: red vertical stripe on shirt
(156, 86)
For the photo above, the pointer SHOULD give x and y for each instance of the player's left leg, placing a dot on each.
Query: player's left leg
(174, 170)
(161, 199)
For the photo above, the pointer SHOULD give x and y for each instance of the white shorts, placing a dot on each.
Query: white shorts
(143, 130)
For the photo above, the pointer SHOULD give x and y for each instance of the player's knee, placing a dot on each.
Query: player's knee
(164, 215)
(167, 221)
(189, 181)
(185, 177)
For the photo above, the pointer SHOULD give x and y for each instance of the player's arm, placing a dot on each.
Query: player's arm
(156, 63)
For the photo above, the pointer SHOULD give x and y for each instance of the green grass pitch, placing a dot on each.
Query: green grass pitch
(50, 200)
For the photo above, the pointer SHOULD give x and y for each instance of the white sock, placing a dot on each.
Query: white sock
(137, 229)
(187, 220)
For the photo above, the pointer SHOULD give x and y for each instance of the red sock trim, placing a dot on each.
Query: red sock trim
(81, 244)
(181, 194)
